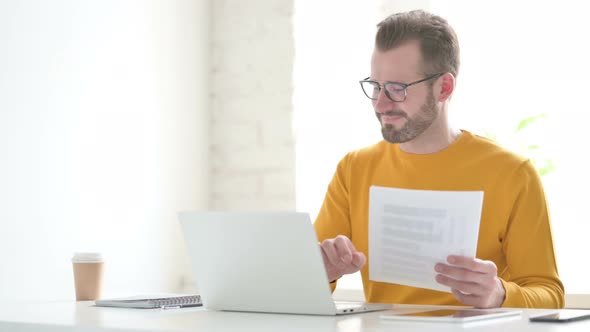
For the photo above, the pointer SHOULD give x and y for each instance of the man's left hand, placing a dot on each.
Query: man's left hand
(473, 281)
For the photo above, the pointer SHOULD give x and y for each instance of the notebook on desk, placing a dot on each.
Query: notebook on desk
(152, 301)
(261, 262)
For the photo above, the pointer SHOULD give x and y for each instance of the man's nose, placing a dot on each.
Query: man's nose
(383, 104)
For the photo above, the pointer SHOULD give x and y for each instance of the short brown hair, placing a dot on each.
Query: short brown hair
(438, 42)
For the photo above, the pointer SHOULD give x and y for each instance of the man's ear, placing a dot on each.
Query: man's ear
(447, 87)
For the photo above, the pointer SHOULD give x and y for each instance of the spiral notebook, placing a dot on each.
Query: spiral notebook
(152, 301)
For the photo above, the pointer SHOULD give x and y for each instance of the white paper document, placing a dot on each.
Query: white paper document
(412, 230)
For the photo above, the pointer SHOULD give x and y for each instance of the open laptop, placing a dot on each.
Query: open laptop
(261, 262)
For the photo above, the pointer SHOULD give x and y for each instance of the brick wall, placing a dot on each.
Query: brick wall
(252, 148)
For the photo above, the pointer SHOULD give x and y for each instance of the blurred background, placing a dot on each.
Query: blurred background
(117, 114)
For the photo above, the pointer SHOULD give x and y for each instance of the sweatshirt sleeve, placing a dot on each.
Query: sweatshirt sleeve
(532, 279)
(334, 216)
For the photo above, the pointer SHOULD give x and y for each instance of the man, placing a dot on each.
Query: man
(413, 71)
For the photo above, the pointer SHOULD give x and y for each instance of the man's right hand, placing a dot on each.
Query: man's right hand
(341, 257)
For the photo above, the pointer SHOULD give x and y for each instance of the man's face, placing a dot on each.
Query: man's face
(403, 121)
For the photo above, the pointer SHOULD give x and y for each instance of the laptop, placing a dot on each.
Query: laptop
(261, 262)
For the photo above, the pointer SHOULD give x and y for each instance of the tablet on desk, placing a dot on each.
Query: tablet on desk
(562, 316)
(452, 315)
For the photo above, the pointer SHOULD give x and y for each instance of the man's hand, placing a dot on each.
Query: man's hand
(473, 281)
(340, 257)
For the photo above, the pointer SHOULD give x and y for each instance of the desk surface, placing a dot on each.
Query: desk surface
(83, 316)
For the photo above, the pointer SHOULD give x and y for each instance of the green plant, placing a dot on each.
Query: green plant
(521, 143)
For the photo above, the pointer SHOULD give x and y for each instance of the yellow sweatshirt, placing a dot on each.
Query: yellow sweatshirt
(514, 229)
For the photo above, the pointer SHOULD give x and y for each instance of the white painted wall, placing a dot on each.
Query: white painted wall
(252, 143)
(103, 138)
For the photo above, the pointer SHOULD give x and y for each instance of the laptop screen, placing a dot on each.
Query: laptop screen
(257, 261)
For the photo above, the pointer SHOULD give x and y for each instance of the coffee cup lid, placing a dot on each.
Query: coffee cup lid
(86, 257)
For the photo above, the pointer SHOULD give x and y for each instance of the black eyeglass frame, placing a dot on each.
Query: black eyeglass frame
(403, 85)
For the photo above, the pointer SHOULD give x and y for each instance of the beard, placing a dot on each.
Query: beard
(414, 126)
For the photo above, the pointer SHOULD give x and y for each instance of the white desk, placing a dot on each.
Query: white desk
(83, 316)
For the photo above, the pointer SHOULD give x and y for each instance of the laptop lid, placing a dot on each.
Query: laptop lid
(257, 261)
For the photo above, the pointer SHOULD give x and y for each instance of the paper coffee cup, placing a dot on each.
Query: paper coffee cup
(88, 269)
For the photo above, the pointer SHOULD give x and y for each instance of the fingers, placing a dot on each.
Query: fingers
(473, 264)
(329, 252)
(466, 298)
(338, 249)
(358, 260)
(492, 300)
(462, 274)
(473, 281)
(340, 257)
(344, 248)
(465, 287)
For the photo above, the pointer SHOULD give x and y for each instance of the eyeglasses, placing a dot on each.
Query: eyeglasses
(395, 91)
